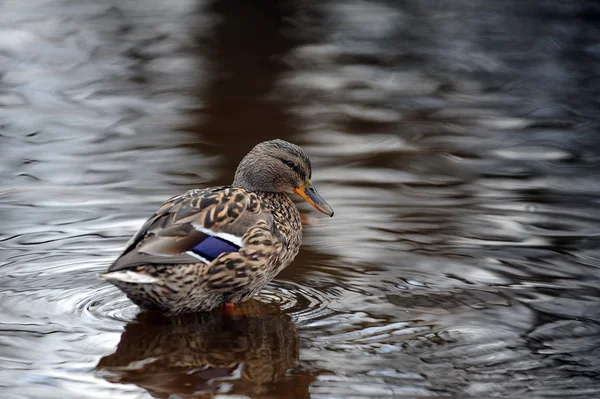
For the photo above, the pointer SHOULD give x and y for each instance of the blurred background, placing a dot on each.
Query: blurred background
(458, 142)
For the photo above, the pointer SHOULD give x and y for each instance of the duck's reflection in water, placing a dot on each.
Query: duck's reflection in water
(199, 354)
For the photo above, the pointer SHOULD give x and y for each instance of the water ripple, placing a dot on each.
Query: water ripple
(459, 150)
(105, 303)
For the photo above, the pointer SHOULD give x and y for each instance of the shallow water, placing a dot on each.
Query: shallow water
(458, 144)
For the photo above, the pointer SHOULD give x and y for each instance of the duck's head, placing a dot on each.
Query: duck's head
(280, 167)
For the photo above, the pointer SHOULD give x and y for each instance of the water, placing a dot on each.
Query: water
(457, 142)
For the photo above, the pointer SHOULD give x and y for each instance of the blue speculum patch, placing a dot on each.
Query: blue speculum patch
(211, 247)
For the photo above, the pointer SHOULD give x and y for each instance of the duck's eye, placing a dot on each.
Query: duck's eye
(289, 163)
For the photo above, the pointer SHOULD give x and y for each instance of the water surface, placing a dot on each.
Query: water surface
(458, 144)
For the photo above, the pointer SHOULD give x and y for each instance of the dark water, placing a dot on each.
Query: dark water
(457, 141)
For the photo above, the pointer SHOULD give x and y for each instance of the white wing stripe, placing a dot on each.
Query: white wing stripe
(195, 255)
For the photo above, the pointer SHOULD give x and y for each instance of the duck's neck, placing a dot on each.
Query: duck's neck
(246, 177)
(273, 200)
(284, 211)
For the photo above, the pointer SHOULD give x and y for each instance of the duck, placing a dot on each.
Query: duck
(215, 247)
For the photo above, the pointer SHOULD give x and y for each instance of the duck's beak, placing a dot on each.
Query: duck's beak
(310, 194)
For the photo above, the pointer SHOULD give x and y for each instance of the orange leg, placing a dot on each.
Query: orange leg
(248, 308)
(228, 308)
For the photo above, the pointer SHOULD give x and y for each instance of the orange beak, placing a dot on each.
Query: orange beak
(310, 195)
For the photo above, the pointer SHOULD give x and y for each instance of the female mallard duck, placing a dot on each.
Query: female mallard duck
(217, 246)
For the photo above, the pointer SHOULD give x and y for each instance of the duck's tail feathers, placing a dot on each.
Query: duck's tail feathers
(128, 276)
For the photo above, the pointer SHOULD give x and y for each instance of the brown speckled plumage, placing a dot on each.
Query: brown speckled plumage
(157, 269)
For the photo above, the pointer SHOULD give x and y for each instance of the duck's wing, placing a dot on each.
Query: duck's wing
(197, 226)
